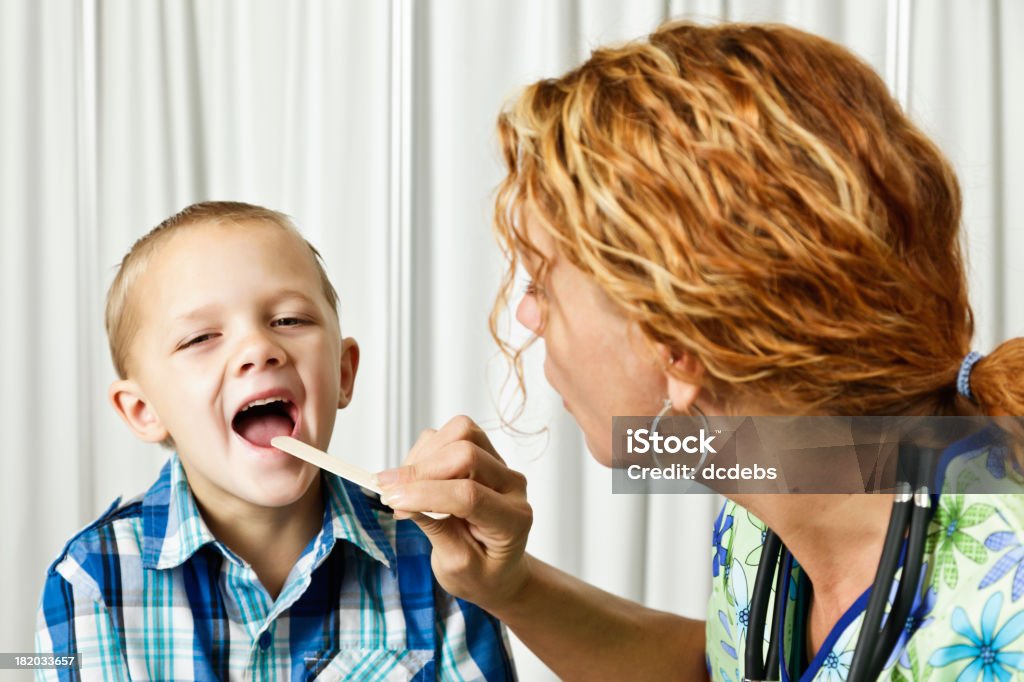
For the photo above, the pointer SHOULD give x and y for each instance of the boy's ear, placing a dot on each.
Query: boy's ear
(349, 365)
(128, 400)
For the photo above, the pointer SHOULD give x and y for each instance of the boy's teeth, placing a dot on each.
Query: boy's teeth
(263, 401)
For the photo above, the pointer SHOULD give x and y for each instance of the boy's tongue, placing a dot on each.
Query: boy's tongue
(259, 429)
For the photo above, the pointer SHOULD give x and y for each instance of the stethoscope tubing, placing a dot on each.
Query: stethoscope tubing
(899, 521)
(909, 580)
(754, 663)
(908, 521)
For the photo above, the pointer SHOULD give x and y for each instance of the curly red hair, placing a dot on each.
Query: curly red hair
(752, 195)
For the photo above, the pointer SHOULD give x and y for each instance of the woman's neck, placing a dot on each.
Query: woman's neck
(837, 539)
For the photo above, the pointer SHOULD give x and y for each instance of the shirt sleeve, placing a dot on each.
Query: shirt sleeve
(75, 622)
(471, 643)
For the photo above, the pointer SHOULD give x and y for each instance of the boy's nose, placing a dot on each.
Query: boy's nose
(259, 352)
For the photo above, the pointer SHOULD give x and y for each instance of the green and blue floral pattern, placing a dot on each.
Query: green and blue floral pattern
(967, 623)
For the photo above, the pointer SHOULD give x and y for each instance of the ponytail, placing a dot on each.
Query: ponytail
(997, 380)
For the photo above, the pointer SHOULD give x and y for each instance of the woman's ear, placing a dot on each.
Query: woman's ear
(130, 403)
(349, 366)
(682, 391)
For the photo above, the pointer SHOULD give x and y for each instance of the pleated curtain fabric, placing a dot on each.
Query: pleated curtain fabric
(372, 123)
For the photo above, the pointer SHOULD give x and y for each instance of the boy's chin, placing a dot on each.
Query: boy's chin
(261, 477)
(275, 492)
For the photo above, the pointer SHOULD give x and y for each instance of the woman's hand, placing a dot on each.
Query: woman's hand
(581, 632)
(480, 552)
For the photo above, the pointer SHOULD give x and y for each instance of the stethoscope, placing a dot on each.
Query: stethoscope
(911, 513)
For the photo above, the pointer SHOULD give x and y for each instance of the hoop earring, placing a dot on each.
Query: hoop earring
(665, 407)
(704, 423)
(706, 426)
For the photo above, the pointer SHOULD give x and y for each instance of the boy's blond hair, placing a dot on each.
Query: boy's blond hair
(121, 315)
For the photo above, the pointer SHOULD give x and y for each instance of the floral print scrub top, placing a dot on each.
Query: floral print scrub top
(967, 622)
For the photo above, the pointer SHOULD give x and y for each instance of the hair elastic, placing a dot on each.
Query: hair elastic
(963, 377)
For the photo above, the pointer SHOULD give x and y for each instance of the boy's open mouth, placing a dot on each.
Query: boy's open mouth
(263, 419)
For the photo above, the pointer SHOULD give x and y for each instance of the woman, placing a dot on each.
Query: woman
(737, 220)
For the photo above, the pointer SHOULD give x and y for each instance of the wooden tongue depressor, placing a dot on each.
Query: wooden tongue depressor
(349, 472)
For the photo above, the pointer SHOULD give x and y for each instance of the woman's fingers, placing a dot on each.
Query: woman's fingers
(480, 553)
(465, 498)
(460, 428)
(420, 444)
(460, 459)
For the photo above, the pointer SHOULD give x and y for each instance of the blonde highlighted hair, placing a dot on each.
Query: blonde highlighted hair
(121, 312)
(753, 196)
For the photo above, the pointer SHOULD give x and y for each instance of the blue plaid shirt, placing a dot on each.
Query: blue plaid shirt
(147, 592)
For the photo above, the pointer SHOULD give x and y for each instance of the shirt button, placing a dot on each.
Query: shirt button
(265, 640)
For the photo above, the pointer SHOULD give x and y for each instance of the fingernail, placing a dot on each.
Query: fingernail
(387, 477)
(391, 496)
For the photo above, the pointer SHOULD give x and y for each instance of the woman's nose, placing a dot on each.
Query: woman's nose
(259, 351)
(528, 313)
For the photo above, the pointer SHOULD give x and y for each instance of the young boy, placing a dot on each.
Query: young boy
(241, 561)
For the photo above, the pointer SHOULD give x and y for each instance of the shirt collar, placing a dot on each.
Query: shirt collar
(351, 518)
(173, 529)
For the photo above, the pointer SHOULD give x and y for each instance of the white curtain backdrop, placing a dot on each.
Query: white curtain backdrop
(371, 123)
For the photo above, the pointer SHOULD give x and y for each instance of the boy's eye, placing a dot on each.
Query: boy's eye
(195, 340)
(288, 322)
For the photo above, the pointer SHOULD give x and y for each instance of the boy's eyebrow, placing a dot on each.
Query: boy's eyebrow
(195, 313)
(204, 310)
(291, 293)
